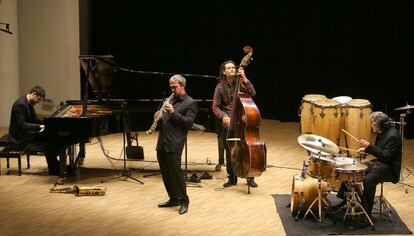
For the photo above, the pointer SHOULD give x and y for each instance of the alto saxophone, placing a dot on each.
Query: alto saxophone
(158, 117)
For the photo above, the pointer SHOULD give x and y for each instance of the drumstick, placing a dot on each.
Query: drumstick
(348, 149)
(346, 132)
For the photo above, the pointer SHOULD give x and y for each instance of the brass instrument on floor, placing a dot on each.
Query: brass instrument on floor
(80, 191)
(89, 190)
(59, 189)
(158, 117)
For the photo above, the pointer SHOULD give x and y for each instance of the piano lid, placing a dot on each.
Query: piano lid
(107, 80)
(101, 71)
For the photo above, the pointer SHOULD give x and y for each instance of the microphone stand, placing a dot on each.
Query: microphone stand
(187, 182)
(125, 173)
(403, 179)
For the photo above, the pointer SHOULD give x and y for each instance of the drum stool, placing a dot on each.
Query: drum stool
(384, 207)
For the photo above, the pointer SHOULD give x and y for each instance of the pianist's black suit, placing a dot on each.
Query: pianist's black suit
(172, 136)
(24, 124)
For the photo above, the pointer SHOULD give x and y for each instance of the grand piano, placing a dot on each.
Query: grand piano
(108, 107)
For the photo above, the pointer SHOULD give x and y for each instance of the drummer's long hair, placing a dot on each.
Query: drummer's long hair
(382, 120)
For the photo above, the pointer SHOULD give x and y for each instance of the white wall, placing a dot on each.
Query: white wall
(9, 60)
(43, 50)
(49, 49)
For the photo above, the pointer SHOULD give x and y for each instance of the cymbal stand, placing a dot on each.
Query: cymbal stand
(403, 179)
(353, 206)
(319, 200)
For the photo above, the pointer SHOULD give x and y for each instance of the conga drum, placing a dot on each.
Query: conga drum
(305, 112)
(327, 119)
(343, 100)
(357, 123)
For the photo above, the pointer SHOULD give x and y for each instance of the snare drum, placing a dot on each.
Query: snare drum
(327, 119)
(351, 172)
(304, 192)
(334, 184)
(305, 111)
(320, 166)
(357, 122)
(340, 161)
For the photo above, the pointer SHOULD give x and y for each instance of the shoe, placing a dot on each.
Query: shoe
(169, 203)
(230, 182)
(183, 208)
(364, 222)
(204, 175)
(251, 183)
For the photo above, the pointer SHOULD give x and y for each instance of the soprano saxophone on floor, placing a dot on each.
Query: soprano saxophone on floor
(158, 117)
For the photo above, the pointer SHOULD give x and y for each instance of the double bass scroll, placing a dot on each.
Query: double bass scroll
(248, 151)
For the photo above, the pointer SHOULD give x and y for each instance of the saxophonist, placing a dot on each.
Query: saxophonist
(177, 117)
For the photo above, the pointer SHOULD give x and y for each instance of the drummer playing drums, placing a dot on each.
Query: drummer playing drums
(387, 165)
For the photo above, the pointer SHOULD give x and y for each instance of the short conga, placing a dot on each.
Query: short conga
(305, 111)
(357, 123)
(343, 100)
(326, 120)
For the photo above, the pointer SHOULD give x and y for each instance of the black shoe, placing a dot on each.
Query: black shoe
(169, 203)
(183, 208)
(251, 183)
(230, 182)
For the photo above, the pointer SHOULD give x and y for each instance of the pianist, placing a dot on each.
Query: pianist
(24, 125)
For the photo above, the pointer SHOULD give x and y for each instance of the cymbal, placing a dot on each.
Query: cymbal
(318, 144)
(406, 107)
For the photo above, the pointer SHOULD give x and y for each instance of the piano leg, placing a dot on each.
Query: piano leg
(81, 155)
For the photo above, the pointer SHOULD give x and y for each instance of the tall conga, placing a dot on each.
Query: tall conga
(306, 112)
(343, 100)
(357, 122)
(327, 119)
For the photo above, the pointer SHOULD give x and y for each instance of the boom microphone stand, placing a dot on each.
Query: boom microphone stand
(125, 173)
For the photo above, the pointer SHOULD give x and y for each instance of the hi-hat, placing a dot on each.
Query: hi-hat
(318, 144)
(406, 107)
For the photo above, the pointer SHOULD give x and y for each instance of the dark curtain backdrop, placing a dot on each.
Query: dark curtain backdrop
(362, 49)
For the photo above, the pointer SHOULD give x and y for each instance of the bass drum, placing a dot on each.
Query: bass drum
(305, 191)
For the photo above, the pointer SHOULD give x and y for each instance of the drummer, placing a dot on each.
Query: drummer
(387, 165)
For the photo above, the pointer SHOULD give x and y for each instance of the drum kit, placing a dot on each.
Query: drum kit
(327, 170)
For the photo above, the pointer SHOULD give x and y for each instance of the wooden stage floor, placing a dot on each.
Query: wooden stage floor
(27, 207)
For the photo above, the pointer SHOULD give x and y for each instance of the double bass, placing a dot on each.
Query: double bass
(248, 152)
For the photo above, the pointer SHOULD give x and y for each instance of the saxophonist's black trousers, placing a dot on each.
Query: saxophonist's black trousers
(170, 166)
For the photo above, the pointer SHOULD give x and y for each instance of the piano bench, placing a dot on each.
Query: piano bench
(9, 153)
